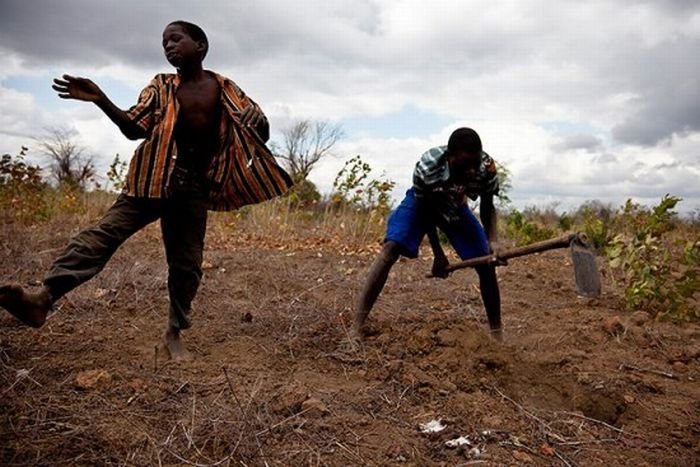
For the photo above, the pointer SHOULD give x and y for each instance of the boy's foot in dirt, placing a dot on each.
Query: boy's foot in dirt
(174, 345)
(497, 334)
(30, 308)
(355, 333)
(352, 341)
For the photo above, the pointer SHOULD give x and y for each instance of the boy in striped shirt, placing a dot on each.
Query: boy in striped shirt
(203, 148)
(442, 180)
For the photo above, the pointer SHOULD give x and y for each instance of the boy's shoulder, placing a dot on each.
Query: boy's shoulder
(229, 85)
(163, 79)
(433, 155)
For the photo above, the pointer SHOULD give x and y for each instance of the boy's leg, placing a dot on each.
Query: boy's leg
(404, 233)
(183, 224)
(88, 252)
(469, 240)
(378, 274)
(490, 294)
(85, 256)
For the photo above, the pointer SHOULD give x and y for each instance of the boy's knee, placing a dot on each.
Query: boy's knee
(391, 251)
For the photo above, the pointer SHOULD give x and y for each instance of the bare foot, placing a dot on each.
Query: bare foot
(175, 347)
(355, 334)
(352, 341)
(30, 308)
(497, 334)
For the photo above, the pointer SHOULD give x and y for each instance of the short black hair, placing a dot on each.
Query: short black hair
(195, 32)
(464, 140)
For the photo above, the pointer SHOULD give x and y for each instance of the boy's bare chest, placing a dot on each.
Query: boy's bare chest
(199, 103)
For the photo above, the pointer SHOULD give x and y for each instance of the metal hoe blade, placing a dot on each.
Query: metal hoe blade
(586, 272)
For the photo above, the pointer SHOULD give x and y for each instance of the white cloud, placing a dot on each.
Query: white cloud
(581, 100)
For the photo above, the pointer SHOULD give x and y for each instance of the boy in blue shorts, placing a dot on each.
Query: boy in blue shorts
(442, 180)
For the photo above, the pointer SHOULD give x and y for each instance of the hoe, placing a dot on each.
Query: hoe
(586, 272)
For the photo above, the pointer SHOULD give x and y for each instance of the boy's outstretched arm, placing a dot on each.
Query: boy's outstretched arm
(83, 89)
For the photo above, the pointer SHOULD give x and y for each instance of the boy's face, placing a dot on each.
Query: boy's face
(464, 166)
(180, 49)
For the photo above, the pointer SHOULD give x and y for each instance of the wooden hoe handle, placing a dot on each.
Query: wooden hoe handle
(554, 243)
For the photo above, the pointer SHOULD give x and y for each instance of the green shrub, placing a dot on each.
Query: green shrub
(523, 230)
(23, 193)
(353, 188)
(661, 274)
(597, 221)
(304, 194)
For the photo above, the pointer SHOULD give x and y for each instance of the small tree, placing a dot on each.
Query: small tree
(304, 143)
(116, 175)
(69, 165)
(353, 187)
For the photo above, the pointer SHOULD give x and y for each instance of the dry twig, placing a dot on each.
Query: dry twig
(599, 422)
(625, 366)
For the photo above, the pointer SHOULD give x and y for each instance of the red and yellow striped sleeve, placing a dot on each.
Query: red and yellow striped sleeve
(142, 113)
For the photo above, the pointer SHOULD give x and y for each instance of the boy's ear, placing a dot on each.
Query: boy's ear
(201, 46)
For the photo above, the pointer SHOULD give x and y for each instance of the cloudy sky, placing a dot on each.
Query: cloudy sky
(580, 100)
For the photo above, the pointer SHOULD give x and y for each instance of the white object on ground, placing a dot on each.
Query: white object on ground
(461, 441)
(433, 426)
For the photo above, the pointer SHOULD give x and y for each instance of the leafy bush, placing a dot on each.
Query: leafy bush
(352, 187)
(523, 230)
(661, 275)
(304, 194)
(597, 227)
(22, 190)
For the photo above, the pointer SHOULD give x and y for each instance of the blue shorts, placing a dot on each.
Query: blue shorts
(404, 227)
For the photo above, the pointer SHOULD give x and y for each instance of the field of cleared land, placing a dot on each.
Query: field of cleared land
(273, 382)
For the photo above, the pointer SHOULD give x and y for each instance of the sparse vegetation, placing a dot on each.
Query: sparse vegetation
(524, 228)
(655, 254)
(22, 189)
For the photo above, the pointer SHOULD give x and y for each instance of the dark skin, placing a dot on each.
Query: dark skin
(464, 167)
(199, 99)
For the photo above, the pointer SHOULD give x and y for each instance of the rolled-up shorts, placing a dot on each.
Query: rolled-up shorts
(407, 228)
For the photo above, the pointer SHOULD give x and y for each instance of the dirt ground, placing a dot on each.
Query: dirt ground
(272, 382)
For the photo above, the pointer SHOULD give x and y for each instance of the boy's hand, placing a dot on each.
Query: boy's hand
(251, 116)
(495, 249)
(82, 89)
(440, 264)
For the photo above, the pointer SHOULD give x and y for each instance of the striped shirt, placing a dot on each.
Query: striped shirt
(242, 171)
(432, 173)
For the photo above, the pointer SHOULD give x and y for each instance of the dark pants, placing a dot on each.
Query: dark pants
(183, 221)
